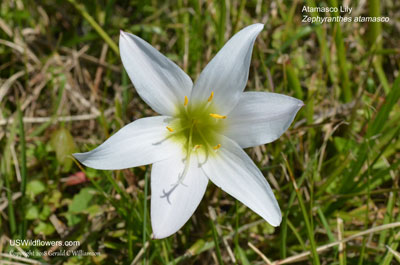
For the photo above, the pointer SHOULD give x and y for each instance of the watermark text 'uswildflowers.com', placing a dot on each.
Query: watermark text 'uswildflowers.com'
(43, 243)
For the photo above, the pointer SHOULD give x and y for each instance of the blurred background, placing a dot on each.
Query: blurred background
(335, 172)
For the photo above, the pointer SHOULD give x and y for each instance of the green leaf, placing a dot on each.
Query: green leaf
(72, 219)
(45, 213)
(44, 228)
(81, 201)
(32, 213)
(55, 198)
(94, 210)
(35, 187)
(64, 145)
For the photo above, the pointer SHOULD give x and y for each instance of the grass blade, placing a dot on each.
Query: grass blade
(216, 242)
(23, 225)
(310, 232)
(81, 9)
(341, 55)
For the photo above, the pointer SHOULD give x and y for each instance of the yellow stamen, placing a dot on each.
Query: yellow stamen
(217, 116)
(197, 146)
(218, 146)
(186, 101)
(170, 129)
(211, 96)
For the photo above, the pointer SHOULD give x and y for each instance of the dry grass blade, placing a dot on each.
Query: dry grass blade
(93, 59)
(259, 253)
(7, 84)
(10, 263)
(213, 216)
(139, 254)
(394, 252)
(342, 245)
(81, 117)
(30, 261)
(15, 196)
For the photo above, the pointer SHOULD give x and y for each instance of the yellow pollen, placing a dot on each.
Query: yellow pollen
(170, 129)
(217, 116)
(211, 96)
(218, 146)
(186, 101)
(197, 146)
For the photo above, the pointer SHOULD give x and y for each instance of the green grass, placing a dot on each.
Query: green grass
(63, 89)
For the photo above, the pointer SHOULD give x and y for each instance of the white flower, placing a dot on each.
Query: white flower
(201, 132)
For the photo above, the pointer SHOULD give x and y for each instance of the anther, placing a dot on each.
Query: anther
(217, 116)
(218, 146)
(170, 129)
(211, 96)
(186, 101)
(197, 146)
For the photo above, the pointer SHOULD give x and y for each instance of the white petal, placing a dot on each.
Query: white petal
(228, 71)
(233, 171)
(158, 80)
(141, 142)
(170, 213)
(261, 118)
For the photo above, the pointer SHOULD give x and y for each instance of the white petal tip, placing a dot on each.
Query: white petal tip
(276, 223)
(161, 235)
(258, 27)
(273, 218)
(82, 157)
(156, 237)
(85, 159)
(122, 33)
(301, 104)
(79, 156)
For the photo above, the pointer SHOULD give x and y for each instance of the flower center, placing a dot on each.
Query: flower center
(197, 126)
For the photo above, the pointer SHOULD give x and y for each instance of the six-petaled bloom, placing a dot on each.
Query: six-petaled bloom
(201, 132)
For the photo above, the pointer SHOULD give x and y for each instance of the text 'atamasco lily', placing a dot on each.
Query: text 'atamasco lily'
(200, 133)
